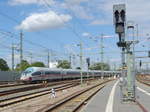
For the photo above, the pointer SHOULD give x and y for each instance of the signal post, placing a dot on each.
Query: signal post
(127, 83)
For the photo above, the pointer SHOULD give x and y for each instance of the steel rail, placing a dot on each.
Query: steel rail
(51, 107)
(33, 95)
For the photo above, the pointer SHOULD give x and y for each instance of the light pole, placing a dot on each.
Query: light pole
(72, 54)
(14, 47)
(148, 49)
(31, 56)
(12, 57)
(101, 46)
(48, 58)
(21, 49)
(81, 62)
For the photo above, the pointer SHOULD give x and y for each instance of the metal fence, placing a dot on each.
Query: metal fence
(9, 76)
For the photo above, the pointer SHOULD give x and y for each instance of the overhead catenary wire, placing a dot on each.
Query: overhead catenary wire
(14, 36)
(32, 43)
(83, 27)
(67, 25)
(9, 17)
(9, 48)
(16, 21)
(26, 52)
(9, 34)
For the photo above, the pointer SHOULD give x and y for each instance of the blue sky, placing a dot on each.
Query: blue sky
(61, 24)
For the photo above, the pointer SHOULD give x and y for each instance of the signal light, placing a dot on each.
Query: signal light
(88, 62)
(148, 53)
(122, 14)
(140, 63)
(119, 18)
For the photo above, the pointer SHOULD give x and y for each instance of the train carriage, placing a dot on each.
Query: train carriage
(35, 74)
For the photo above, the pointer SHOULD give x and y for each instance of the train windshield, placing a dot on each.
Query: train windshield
(27, 71)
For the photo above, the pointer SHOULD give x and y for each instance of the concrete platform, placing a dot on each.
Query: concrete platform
(143, 93)
(104, 102)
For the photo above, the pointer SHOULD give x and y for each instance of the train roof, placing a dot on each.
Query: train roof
(67, 70)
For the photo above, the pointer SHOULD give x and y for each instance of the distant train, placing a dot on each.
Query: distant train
(36, 74)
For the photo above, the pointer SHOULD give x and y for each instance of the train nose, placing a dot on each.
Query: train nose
(26, 78)
(22, 78)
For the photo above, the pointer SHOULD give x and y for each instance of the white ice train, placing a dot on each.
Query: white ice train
(36, 74)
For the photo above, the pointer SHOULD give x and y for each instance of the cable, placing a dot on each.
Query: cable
(16, 21)
(10, 34)
(67, 25)
(9, 17)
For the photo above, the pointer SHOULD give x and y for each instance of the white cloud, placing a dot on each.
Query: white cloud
(86, 34)
(99, 12)
(73, 2)
(100, 22)
(78, 9)
(137, 10)
(81, 12)
(40, 21)
(25, 2)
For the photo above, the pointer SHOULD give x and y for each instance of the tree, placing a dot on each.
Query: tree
(63, 64)
(99, 66)
(38, 64)
(22, 66)
(3, 65)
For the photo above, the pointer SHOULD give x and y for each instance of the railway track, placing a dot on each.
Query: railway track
(26, 96)
(23, 88)
(144, 79)
(75, 101)
(18, 83)
(3, 85)
(9, 101)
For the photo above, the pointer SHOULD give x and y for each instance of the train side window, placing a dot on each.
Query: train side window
(55, 72)
(47, 72)
(73, 73)
(36, 73)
